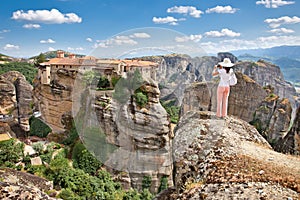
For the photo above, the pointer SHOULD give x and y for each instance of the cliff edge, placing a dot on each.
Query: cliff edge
(228, 159)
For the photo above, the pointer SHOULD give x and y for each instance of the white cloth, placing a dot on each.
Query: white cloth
(224, 77)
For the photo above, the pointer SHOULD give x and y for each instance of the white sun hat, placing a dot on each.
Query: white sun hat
(226, 63)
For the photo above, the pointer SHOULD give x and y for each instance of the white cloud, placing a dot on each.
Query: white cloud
(276, 22)
(32, 26)
(75, 49)
(52, 16)
(8, 47)
(5, 31)
(221, 9)
(223, 33)
(51, 49)
(89, 39)
(237, 44)
(188, 10)
(281, 30)
(115, 41)
(140, 35)
(195, 38)
(274, 3)
(166, 20)
(49, 41)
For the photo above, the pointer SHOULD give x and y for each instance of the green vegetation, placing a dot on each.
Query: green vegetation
(28, 70)
(103, 82)
(172, 110)
(11, 153)
(146, 183)
(39, 59)
(38, 127)
(163, 184)
(140, 97)
(114, 80)
(83, 159)
(74, 183)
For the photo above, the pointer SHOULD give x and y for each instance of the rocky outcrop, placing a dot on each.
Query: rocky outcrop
(54, 101)
(228, 159)
(133, 139)
(272, 118)
(244, 97)
(290, 143)
(20, 185)
(16, 100)
(267, 74)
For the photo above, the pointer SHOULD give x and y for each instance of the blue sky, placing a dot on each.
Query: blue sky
(28, 27)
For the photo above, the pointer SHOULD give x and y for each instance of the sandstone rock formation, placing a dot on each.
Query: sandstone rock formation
(290, 143)
(244, 97)
(55, 100)
(16, 100)
(133, 140)
(20, 185)
(267, 74)
(228, 159)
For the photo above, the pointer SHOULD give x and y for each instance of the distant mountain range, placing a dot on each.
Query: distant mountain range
(273, 53)
(286, 57)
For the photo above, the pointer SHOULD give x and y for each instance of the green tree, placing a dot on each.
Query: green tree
(83, 159)
(103, 82)
(11, 152)
(141, 98)
(38, 127)
(28, 70)
(39, 59)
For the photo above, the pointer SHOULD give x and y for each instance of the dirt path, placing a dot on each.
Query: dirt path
(290, 162)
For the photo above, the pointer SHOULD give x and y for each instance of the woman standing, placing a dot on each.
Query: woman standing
(223, 69)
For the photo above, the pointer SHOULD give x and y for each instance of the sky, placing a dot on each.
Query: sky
(116, 28)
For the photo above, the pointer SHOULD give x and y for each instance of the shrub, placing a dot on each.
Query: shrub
(38, 147)
(103, 82)
(141, 98)
(11, 151)
(38, 127)
(163, 184)
(83, 159)
(172, 110)
(146, 183)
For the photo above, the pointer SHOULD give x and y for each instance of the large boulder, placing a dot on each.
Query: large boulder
(228, 159)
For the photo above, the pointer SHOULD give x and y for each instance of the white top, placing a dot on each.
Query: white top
(224, 77)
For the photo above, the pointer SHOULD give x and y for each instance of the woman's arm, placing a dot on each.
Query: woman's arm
(215, 72)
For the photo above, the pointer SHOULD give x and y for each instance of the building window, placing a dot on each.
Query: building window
(63, 66)
(70, 66)
(56, 66)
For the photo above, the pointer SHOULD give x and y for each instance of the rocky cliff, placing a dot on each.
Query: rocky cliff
(16, 101)
(132, 139)
(265, 74)
(228, 159)
(55, 100)
(244, 97)
(249, 101)
(290, 143)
